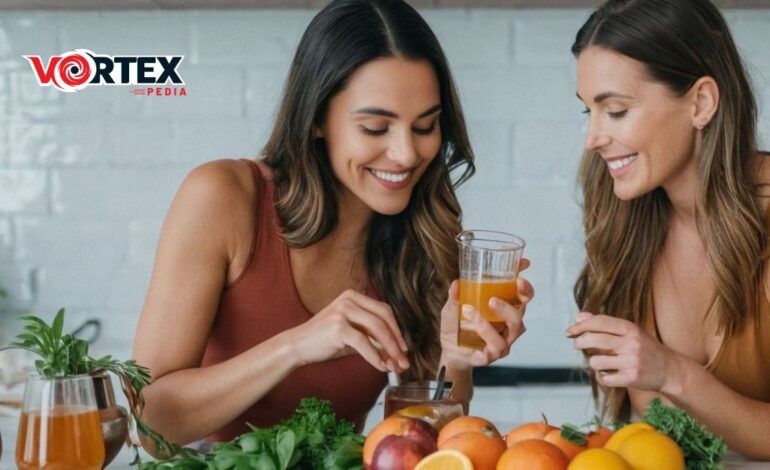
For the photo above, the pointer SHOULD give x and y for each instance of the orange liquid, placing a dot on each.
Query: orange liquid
(65, 438)
(477, 294)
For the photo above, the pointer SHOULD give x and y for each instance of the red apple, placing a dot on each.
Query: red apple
(397, 426)
(401, 452)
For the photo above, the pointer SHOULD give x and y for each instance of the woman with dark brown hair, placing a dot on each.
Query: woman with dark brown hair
(675, 288)
(318, 268)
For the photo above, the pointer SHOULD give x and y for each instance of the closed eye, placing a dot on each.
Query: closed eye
(427, 130)
(374, 132)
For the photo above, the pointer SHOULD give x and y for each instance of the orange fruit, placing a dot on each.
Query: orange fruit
(532, 454)
(569, 449)
(467, 424)
(534, 430)
(445, 460)
(484, 451)
(651, 450)
(599, 437)
(598, 459)
(621, 434)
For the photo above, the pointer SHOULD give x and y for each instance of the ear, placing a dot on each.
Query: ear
(705, 95)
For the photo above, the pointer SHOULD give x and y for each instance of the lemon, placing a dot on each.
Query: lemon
(447, 459)
(598, 459)
(621, 434)
(419, 411)
(651, 450)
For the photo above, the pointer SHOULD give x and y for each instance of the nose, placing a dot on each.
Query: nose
(596, 138)
(402, 149)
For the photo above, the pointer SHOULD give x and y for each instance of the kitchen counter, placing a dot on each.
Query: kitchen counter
(8, 430)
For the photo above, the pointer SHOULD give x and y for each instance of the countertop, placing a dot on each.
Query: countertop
(8, 430)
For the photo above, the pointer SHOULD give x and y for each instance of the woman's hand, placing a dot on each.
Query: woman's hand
(352, 323)
(497, 345)
(622, 354)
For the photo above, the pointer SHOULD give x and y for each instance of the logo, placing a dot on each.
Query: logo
(75, 70)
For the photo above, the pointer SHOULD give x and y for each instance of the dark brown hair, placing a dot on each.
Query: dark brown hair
(411, 257)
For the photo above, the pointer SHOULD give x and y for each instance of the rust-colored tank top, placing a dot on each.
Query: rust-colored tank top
(262, 302)
(743, 362)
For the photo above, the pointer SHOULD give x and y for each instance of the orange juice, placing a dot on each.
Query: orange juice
(477, 294)
(64, 438)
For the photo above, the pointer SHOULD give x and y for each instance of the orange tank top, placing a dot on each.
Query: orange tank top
(742, 362)
(262, 302)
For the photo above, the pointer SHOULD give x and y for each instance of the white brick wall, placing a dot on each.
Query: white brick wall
(86, 178)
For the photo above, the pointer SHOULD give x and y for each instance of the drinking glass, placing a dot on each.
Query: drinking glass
(59, 426)
(489, 267)
(415, 399)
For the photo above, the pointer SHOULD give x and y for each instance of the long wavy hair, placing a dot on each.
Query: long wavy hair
(679, 41)
(411, 257)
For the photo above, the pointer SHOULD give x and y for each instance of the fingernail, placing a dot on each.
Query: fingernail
(582, 316)
(494, 302)
(391, 365)
(404, 363)
(468, 311)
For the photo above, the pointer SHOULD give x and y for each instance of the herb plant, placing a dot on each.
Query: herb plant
(311, 439)
(65, 355)
(702, 450)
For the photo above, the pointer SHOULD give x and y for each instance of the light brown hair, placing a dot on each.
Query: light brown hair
(679, 41)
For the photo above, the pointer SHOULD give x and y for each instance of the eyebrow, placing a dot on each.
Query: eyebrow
(384, 112)
(607, 94)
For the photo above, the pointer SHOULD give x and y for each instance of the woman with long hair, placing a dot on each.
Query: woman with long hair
(330, 261)
(675, 201)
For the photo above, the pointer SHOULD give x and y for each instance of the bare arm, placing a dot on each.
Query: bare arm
(649, 368)
(197, 245)
(199, 250)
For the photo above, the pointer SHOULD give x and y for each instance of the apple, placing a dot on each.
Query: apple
(401, 452)
(399, 426)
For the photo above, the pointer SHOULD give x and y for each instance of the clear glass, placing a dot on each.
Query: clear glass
(415, 399)
(489, 267)
(59, 426)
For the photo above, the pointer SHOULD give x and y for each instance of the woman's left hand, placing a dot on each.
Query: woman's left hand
(497, 345)
(622, 354)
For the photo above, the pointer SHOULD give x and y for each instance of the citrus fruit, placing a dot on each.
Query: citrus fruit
(622, 433)
(598, 459)
(467, 424)
(445, 460)
(532, 454)
(534, 430)
(599, 437)
(570, 450)
(651, 450)
(484, 451)
(419, 411)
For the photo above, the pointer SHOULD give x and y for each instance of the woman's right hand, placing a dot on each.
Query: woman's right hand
(352, 323)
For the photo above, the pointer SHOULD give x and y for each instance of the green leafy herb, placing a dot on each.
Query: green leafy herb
(311, 439)
(702, 450)
(65, 355)
(571, 433)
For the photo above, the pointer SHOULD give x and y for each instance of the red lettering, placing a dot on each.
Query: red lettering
(44, 75)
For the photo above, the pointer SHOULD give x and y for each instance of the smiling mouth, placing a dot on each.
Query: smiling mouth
(621, 162)
(390, 176)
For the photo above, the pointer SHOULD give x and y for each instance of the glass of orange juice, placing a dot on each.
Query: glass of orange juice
(59, 425)
(489, 267)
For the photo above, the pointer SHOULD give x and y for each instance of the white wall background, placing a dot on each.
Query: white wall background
(86, 178)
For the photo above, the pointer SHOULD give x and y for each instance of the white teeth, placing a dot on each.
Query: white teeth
(388, 176)
(617, 164)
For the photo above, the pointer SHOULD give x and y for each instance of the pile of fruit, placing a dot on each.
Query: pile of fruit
(474, 443)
